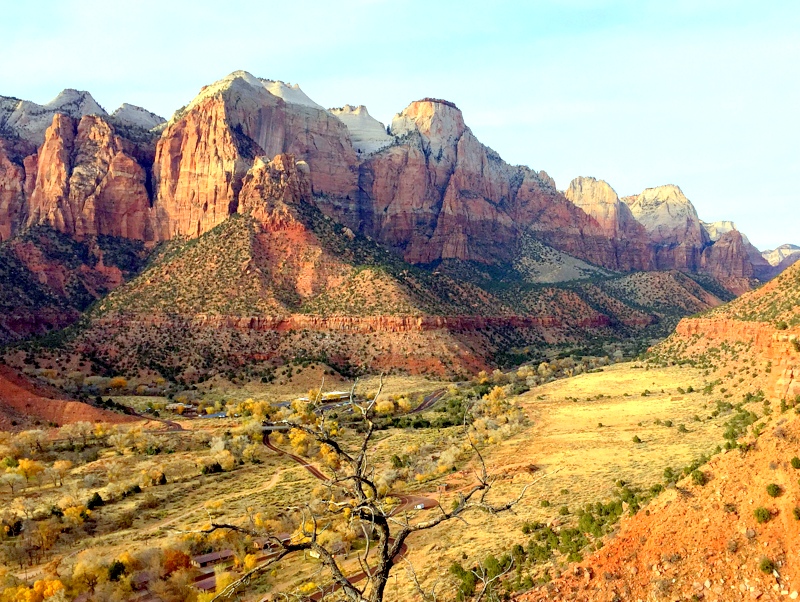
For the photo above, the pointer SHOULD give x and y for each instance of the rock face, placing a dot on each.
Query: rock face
(600, 201)
(438, 193)
(271, 188)
(716, 229)
(367, 133)
(204, 153)
(428, 189)
(86, 184)
(727, 260)
(673, 226)
(12, 184)
(776, 256)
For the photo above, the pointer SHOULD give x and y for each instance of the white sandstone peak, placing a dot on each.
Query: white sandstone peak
(440, 123)
(598, 199)
(367, 133)
(289, 93)
(133, 115)
(667, 215)
(717, 229)
(777, 256)
(30, 120)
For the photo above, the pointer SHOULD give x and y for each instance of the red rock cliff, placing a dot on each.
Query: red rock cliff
(86, 184)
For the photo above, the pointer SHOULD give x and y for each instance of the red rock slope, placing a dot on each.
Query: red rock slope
(25, 403)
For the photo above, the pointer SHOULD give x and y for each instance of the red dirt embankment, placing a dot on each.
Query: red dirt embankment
(24, 402)
(704, 543)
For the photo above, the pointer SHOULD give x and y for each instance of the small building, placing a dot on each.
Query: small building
(212, 558)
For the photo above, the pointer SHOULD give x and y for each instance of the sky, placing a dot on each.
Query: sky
(699, 93)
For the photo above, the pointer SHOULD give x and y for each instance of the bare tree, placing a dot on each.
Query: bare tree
(352, 500)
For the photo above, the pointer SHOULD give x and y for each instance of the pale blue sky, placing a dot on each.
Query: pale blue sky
(703, 94)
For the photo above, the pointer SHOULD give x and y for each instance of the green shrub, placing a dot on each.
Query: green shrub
(636, 439)
(116, 570)
(762, 514)
(95, 501)
(795, 463)
(466, 581)
(563, 511)
(773, 490)
(544, 504)
(796, 513)
(699, 477)
(766, 565)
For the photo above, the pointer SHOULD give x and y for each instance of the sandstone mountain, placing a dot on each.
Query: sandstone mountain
(367, 133)
(783, 256)
(425, 191)
(427, 188)
(28, 120)
(133, 116)
(280, 279)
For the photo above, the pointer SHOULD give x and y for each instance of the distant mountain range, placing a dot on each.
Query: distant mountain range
(337, 216)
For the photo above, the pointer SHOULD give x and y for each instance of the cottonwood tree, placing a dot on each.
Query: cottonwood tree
(351, 502)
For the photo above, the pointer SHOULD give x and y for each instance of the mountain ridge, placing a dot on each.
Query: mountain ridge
(427, 192)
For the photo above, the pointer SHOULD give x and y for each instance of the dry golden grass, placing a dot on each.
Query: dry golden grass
(585, 460)
(564, 440)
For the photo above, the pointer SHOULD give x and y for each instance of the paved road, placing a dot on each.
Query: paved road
(428, 401)
(309, 467)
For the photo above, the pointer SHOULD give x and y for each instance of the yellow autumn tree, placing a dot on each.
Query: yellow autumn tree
(41, 590)
(117, 383)
(29, 469)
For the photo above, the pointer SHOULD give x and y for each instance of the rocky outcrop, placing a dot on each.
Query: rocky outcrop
(13, 206)
(779, 255)
(715, 230)
(271, 188)
(132, 116)
(727, 260)
(672, 225)
(86, 184)
(761, 269)
(775, 346)
(197, 169)
(366, 324)
(438, 193)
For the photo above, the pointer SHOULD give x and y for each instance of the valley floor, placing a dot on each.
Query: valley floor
(585, 434)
